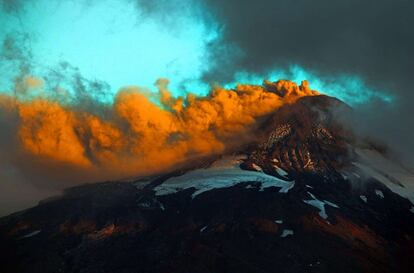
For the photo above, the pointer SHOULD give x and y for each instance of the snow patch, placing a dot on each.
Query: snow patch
(395, 177)
(203, 229)
(279, 221)
(364, 198)
(280, 171)
(219, 176)
(379, 193)
(141, 185)
(315, 202)
(287, 232)
(31, 234)
(257, 167)
(331, 204)
(145, 205)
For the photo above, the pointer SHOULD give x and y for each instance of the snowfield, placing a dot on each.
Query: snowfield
(223, 173)
(320, 205)
(392, 175)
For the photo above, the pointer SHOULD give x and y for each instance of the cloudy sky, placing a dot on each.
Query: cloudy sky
(355, 51)
(359, 51)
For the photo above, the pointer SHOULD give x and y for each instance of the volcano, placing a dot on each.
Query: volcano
(305, 195)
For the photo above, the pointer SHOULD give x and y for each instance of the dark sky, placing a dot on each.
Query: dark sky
(372, 39)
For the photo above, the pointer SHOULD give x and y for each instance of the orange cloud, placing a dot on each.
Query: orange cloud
(140, 136)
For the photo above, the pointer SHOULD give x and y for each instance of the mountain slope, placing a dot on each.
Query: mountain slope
(303, 197)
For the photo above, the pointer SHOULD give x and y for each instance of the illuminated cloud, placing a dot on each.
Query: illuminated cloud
(349, 88)
(69, 71)
(48, 144)
(135, 135)
(365, 44)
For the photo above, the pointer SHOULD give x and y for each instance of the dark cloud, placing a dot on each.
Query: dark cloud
(371, 39)
(17, 190)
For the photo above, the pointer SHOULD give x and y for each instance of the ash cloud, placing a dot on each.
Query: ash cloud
(371, 39)
(58, 98)
(50, 145)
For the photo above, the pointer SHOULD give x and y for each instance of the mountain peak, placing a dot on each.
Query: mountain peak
(304, 137)
(302, 196)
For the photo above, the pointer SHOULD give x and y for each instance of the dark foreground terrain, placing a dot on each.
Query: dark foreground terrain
(303, 198)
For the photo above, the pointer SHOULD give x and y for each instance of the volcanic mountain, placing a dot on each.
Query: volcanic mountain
(305, 195)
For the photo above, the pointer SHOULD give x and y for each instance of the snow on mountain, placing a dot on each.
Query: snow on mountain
(333, 207)
(223, 173)
(391, 174)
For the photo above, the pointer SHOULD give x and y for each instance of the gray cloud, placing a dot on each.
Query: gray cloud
(371, 39)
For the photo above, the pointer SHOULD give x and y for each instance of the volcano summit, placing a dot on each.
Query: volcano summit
(300, 193)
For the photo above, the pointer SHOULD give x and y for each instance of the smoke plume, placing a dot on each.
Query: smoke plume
(370, 39)
(141, 133)
(50, 140)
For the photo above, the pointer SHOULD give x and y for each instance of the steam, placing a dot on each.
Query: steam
(365, 39)
(57, 144)
(64, 126)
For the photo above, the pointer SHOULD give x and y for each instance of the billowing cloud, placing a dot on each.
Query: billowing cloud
(370, 39)
(68, 126)
(58, 144)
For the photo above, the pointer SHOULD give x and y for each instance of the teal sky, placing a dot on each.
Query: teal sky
(112, 42)
(115, 42)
